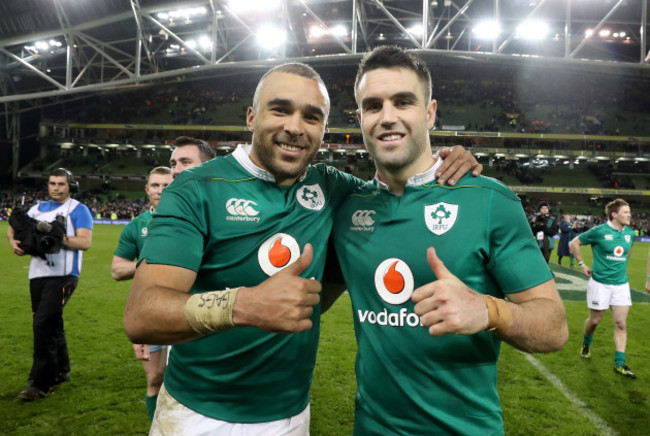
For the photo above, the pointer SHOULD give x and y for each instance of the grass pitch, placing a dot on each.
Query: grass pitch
(553, 394)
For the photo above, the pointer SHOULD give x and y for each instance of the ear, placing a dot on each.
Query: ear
(359, 116)
(250, 119)
(431, 113)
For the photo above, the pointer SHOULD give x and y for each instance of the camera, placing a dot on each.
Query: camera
(539, 221)
(49, 238)
(37, 238)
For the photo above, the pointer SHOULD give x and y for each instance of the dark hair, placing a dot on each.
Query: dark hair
(73, 185)
(392, 56)
(614, 206)
(62, 172)
(542, 204)
(206, 152)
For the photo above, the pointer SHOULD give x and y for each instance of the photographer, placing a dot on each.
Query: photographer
(53, 277)
(544, 226)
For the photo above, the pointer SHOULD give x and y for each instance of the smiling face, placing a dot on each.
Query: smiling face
(395, 118)
(288, 123)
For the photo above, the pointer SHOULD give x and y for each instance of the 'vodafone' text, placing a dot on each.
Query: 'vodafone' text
(401, 319)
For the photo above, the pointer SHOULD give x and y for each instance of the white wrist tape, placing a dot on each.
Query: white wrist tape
(211, 312)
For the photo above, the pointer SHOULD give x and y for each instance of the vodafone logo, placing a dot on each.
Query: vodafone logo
(618, 251)
(394, 281)
(278, 252)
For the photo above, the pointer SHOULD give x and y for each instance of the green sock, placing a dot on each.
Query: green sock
(619, 358)
(587, 339)
(151, 405)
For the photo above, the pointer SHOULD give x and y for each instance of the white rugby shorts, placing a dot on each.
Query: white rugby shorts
(174, 419)
(601, 296)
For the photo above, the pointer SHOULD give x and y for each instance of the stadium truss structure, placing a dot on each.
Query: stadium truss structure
(54, 51)
(53, 48)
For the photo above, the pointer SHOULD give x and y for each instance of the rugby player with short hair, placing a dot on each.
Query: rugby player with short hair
(188, 153)
(123, 266)
(608, 286)
(239, 296)
(438, 275)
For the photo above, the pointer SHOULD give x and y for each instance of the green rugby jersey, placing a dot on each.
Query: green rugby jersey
(610, 248)
(409, 382)
(133, 236)
(231, 223)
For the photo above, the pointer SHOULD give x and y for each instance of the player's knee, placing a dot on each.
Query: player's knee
(155, 379)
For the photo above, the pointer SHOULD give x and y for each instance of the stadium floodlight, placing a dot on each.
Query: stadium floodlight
(41, 45)
(240, 6)
(589, 33)
(416, 30)
(318, 31)
(339, 30)
(533, 29)
(186, 13)
(604, 33)
(191, 43)
(487, 30)
(205, 42)
(270, 37)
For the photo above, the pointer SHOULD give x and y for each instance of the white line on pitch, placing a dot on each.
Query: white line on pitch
(573, 398)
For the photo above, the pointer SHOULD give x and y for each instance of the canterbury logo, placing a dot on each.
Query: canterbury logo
(236, 206)
(363, 218)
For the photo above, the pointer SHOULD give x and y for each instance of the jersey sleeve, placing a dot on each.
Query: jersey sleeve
(589, 237)
(178, 228)
(341, 184)
(127, 247)
(81, 217)
(516, 261)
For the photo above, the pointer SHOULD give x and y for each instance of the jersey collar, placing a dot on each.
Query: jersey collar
(242, 155)
(417, 179)
(611, 224)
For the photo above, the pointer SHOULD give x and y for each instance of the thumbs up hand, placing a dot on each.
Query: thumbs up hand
(283, 302)
(447, 305)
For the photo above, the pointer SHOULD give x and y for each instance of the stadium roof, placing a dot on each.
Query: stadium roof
(50, 49)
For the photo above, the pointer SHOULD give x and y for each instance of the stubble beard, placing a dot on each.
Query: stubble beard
(265, 153)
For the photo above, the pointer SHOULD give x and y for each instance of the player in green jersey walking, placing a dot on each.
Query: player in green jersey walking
(429, 322)
(153, 357)
(611, 245)
(236, 226)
